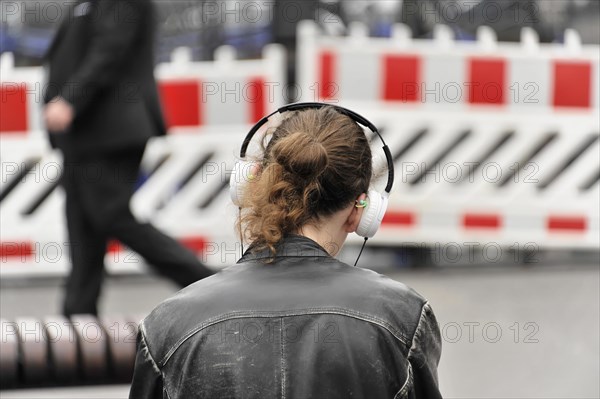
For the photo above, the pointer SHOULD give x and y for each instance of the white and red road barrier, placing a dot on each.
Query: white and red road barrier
(221, 92)
(184, 193)
(478, 181)
(447, 74)
(194, 94)
(485, 179)
(511, 179)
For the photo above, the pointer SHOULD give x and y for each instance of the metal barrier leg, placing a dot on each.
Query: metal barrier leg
(92, 346)
(62, 346)
(9, 354)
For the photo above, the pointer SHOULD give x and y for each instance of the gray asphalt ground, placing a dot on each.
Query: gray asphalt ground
(509, 331)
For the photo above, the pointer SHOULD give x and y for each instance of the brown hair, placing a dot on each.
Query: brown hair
(316, 163)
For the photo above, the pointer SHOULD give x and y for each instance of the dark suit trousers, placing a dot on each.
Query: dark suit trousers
(98, 191)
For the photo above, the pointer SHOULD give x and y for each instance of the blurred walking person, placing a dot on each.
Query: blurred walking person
(102, 106)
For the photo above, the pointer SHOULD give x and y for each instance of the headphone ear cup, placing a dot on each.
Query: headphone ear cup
(240, 175)
(372, 214)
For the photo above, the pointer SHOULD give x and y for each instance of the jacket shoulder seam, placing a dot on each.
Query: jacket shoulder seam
(155, 366)
(424, 309)
(298, 312)
(147, 352)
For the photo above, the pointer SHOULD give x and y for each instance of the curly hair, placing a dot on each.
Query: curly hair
(316, 163)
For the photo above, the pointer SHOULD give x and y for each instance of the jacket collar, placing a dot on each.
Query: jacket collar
(292, 245)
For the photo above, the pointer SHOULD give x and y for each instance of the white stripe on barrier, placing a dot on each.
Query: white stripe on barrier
(596, 83)
(531, 84)
(442, 74)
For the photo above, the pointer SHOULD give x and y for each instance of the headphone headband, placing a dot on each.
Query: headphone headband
(345, 111)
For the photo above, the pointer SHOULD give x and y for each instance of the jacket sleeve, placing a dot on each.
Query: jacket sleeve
(424, 355)
(115, 24)
(147, 380)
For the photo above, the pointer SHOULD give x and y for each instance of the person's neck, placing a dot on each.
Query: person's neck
(330, 239)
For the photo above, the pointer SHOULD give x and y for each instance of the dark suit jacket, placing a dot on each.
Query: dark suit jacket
(101, 61)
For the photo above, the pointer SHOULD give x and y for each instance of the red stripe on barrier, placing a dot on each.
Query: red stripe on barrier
(196, 244)
(257, 98)
(402, 80)
(399, 218)
(569, 223)
(478, 221)
(327, 85)
(114, 246)
(13, 102)
(572, 84)
(15, 250)
(181, 102)
(487, 81)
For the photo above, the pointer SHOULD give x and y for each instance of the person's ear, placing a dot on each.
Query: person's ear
(357, 210)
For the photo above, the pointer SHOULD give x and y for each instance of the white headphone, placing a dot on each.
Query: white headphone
(376, 202)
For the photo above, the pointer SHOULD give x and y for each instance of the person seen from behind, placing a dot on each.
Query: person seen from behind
(289, 320)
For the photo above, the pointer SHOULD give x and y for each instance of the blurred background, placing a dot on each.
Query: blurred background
(490, 109)
(203, 26)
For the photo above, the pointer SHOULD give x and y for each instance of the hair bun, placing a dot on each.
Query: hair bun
(301, 155)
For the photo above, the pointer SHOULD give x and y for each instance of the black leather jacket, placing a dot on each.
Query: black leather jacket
(305, 326)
